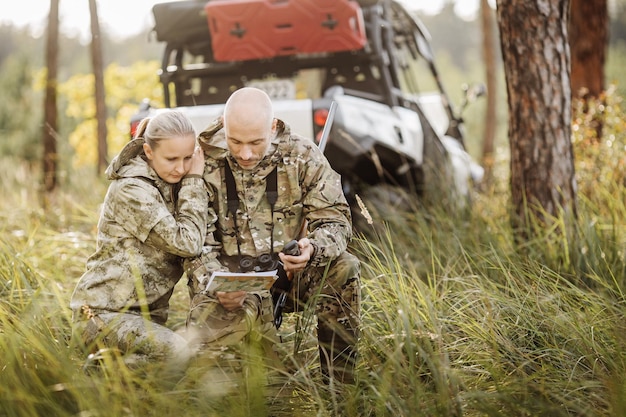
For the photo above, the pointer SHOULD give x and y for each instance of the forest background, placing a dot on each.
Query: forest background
(131, 66)
(459, 319)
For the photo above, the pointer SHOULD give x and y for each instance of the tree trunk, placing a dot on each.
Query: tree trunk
(50, 155)
(489, 54)
(535, 51)
(588, 40)
(101, 111)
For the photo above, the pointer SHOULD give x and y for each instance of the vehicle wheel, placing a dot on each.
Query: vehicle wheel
(368, 3)
(383, 203)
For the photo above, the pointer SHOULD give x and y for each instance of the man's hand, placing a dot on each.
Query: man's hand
(231, 301)
(293, 264)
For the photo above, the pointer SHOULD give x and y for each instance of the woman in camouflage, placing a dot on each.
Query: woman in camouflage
(154, 213)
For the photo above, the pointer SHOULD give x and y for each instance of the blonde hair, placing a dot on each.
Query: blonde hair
(165, 125)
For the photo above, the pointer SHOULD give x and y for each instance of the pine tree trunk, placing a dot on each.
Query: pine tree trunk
(536, 59)
(489, 54)
(588, 40)
(101, 111)
(50, 155)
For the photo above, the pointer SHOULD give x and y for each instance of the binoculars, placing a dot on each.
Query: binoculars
(264, 262)
(270, 262)
(267, 261)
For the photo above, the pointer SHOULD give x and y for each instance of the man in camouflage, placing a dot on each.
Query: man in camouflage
(253, 144)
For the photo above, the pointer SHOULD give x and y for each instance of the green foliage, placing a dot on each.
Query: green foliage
(125, 88)
(614, 66)
(21, 109)
(20, 126)
(601, 178)
(600, 160)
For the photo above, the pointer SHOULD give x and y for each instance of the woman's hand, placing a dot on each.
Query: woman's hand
(231, 301)
(197, 162)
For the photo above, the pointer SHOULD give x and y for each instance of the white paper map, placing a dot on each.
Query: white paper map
(241, 281)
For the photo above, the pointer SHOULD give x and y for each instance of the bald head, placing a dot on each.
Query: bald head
(249, 105)
(248, 124)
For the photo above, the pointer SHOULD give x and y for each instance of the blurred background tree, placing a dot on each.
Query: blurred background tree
(458, 52)
(490, 59)
(50, 127)
(99, 96)
(588, 32)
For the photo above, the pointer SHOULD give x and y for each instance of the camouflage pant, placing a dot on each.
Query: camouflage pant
(335, 293)
(139, 339)
(209, 324)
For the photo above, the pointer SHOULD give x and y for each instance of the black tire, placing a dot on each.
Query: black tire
(384, 203)
(368, 3)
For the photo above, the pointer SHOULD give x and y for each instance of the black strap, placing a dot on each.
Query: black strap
(231, 191)
(271, 192)
(271, 187)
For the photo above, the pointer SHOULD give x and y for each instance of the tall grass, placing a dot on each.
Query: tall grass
(458, 320)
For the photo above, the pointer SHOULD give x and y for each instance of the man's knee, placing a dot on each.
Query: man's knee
(346, 266)
(345, 279)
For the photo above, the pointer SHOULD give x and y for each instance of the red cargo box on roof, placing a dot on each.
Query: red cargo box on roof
(255, 29)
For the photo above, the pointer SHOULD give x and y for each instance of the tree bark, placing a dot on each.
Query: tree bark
(588, 40)
(489, 54)
(97, 63)
(536, 59)
(50, 155)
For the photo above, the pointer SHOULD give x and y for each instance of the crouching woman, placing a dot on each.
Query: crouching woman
(154, 214)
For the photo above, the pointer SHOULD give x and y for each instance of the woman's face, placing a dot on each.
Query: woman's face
(171, 158)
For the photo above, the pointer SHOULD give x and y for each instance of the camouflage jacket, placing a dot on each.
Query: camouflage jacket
(308, 188)
(146, 225)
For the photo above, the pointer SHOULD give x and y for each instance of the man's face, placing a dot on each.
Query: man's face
(248, 143)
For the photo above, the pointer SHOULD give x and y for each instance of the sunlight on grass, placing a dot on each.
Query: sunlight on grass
(457, 318)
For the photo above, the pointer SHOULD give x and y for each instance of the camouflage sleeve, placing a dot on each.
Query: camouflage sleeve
(326, 210)
(184, 234)
(200, 268)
